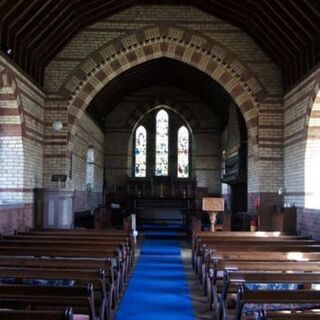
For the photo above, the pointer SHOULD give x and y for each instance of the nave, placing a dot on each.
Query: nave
(237, 275)
(204, 113)
(158, 287)
(91, 274)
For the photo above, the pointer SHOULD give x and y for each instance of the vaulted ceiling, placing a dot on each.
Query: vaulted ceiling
(162, 71)
(287, 30)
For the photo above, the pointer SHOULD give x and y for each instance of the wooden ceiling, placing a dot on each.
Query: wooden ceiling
(287, 30)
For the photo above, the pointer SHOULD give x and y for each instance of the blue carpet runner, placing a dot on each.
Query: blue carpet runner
(158, 287)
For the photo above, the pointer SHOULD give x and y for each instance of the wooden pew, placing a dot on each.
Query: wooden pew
(236, 247)
(66, 252)
(273, 315)
(103, 232)
(70, 245)
(112, 287)
(263, 255)
(199, 240)
(206, 235)
(248, 243)
(36, 315)
(278, 258)
(49, 298)
(211, 267)
(75, 249)
(281, 297)
(243, 234)
(124, 239)
(87, 234)
(81, 277)
(234, 278)
(249, 246)
(116, 249)
(216, 272)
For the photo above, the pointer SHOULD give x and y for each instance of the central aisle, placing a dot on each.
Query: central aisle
(158, 287)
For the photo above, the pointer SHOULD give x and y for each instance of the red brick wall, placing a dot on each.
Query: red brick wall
(16, 218)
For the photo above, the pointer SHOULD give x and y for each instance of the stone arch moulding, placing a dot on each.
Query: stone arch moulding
(177, 43)
(184, 112)
(7, 80)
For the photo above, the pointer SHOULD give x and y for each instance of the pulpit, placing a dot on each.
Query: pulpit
(54, 208)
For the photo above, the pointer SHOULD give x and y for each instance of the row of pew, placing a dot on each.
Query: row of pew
(258, 275)
(63, 274)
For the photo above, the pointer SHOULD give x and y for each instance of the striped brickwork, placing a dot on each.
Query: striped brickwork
(21, 136)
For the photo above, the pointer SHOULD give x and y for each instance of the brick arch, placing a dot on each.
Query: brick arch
(179, 44)
(310, 112)
(7, 80)
(184, 112)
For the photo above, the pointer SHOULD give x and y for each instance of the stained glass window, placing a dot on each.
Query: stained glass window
(141, 152)
(162, 143)
(183, 152)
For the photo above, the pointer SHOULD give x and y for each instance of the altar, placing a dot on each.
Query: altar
(161, 210)
(161, 187)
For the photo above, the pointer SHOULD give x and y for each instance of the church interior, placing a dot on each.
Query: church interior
(159, 159)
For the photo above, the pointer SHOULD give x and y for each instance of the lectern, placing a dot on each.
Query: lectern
(213, 206)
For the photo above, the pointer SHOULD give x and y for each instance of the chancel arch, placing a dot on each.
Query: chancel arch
(175, 43)
(210, 58)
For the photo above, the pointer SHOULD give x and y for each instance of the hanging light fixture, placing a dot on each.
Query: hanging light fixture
(57, 125)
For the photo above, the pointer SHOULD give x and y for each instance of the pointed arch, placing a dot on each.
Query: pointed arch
(177, 43)
(180, 44)
(183, 153)
(162, 143)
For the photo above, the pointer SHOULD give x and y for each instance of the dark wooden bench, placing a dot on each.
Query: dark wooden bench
(212, 252)
(201, 242)
(275, 296)
(103, 232)
(232, 279)
(273, 315)
(204, 236)
(81, 277)
(124, 239)
(117, 248)
(43, 298)
(277, 258)
(216, 273)
(245, 246)
(36, 315)
(112, 285)
(38, 249)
